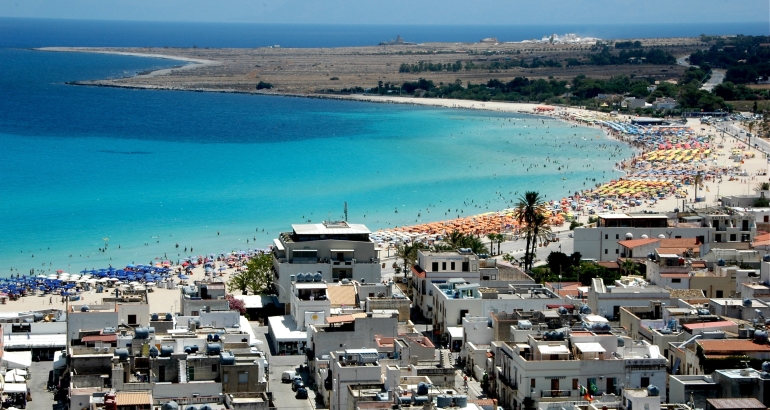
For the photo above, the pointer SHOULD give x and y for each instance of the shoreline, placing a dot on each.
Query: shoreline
(516, 108)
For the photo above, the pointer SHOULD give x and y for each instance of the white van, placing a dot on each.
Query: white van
(288, 376)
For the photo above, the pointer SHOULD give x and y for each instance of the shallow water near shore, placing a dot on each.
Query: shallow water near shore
(141, 171)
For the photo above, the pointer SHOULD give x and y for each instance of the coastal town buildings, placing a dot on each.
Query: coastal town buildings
(335, 250)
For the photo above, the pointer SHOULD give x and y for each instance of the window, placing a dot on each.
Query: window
(720, 294)
(606, 236)
(575, 384)
(466, 266)
(718, 238)
(131, 320)
(617, 236)
(195, 313)
(678, 237)
(434, 267)
(452, 265)
(645, 382)
(676, 280)
(214, 367)
(225, 378)
(243, 377)
(443, 265)
(617, 251)
(532, 383)
(605, 252)
(733, 238)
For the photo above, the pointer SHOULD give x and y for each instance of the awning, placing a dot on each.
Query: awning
(278, 244)
(590, 347)
(14, 388)
(456, 332)
(553, 349)
(17, 360)
(342, 250)
(339, 319)
(133, 398)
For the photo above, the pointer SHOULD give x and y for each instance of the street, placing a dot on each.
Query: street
(283, 396)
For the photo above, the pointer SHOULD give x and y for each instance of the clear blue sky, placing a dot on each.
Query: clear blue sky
(398, 11)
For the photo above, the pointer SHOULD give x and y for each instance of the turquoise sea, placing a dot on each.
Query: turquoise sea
(142, 171)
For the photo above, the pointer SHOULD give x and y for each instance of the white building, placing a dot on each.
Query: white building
(335, 250)
(552, 368)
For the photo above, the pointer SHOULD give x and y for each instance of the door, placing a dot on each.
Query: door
(340, 257)
(161, 374)
(554, 387)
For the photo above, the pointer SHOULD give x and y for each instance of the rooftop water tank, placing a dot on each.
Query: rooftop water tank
(122, 354)
(563, 310)
(702, 312)
(345, 281)
(38, 316)
(109, 331)
(585, 310)
(665, 331)
(653, 390)
(318, 277)
(422, 388)
(525, 324)
(661, 236)
(760, 336)
(141, 333)
(226, 358)
(461, 401)
(154, 317)
(747, 302)
(170, 406)
(621, 342)
(443, 401)
(213, 348)
(300, 277)
(190, 407)
(216, 337)
(766, 258)
(206, 407)
(766, 367)
(721, 262)
(169, 316)
(420, 399)
(644, 236)
(166, 350)
(84, 308)
(153, 351)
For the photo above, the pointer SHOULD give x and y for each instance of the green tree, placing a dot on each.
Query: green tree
(630, 267)
(256, 279)
(559, 263)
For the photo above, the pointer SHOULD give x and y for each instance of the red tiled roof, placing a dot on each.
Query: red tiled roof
(725, 346)
(100, 338)
(679, 242)
(339, 319)
(698, 264)
(633, 243)
(708, 325)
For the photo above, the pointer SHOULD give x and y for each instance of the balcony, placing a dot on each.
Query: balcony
(507, 382)
(550, 394)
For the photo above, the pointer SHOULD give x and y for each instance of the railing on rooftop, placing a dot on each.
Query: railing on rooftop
(556, 393)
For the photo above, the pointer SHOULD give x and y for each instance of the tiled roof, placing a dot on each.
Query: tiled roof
(133, 398)
(633, 243)
(679, 242)
(100, 338)
(609, 265)
(717, 346)
(736, 404)
(674, 275)
(708, 325)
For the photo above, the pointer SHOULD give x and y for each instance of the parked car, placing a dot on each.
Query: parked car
(288, 376)
(301, 393)
(297, 383)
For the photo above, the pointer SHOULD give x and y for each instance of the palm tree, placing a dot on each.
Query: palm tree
(492, 237)
(750, 125)
(762, 186)
(407, 253)
(475, 245)
(530, 205)
(455, 239)
(500, 238)
(630, 267)
(698, 182)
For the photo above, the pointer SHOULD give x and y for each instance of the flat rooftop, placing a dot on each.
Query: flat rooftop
(330, 228)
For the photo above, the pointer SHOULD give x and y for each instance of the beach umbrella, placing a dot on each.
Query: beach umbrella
(183, 277)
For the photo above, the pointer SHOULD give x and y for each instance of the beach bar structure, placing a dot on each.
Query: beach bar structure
(328, 251)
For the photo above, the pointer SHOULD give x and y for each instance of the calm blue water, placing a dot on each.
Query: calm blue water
(43, 32)
(145, 170)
